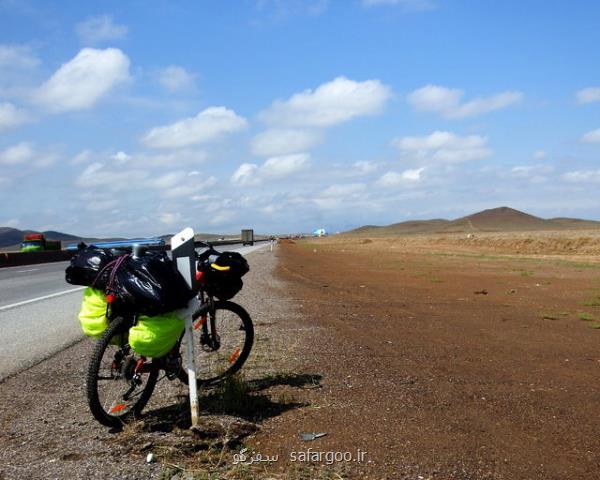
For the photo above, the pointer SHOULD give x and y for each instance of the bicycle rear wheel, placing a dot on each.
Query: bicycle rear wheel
(114, 391)
(220, 357)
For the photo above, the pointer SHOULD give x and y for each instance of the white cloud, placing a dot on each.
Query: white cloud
(394, 179)
(245, 175)
(591, 137)
(82, 157)
(121, 157)
(25, 153)
(176, 79)
(285, 165)
(539, 155)
(170, 218)
(364, 167)
(17, 154)
(80, 83)
(99, 175)
(17, 56)
(533, 173)
(98, 29)
(329, 104)
(583, 176)
(444, 147)
(248, 174)
(411, 5)
(343, 190)
(447, 101)
(284, 141)
(588, 95)
(11, 116)
(210, 124)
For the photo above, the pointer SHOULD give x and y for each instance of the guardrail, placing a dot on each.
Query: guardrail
(18, 259)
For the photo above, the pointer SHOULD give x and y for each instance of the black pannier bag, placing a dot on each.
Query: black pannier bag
(223, 277)
(86, 264)
(150, 284)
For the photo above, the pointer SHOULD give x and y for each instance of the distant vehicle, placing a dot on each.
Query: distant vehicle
(248, 237)
(36, 242)
(319, 232)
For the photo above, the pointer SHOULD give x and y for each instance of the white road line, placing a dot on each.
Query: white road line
(30, 270)
(45, 297)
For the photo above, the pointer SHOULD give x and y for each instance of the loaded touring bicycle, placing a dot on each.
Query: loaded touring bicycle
(151, 322)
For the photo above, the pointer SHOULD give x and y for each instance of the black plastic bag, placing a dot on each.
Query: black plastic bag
(223, 277)
(86, 264)
(149, 284)
(238, 265)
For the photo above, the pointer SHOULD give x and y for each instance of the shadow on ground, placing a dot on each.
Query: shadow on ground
(246, 402)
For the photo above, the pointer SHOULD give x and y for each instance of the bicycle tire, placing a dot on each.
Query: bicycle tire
(117, 327)
(206, 373)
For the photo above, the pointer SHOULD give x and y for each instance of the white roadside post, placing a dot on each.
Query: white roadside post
(184, 256)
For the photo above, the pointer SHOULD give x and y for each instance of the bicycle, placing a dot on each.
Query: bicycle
(120, 383)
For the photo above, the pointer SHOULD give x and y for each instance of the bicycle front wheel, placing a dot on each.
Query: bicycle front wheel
(221, 355)
(115, 391)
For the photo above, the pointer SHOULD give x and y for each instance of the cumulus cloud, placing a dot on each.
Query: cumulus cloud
(588, 95)
(539, 155)
(210, 124)
(17, 56)
(444, 147)
(364, 167)
(583, 176)
(101, 175)
(447, 101)
(170, 218)
(591, 137)
(277, 142)
(81, 82)
(17, 154)
(249, 174)
(394, 179)
(176, 79)
(245, 175)
(25, 153)
(11, 116)
(98, 29)
(533, 173)
(332, 103)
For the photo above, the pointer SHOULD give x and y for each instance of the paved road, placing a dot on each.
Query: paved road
(38, 312)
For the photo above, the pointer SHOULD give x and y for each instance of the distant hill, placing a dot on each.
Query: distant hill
(13, 236)
(501, 219)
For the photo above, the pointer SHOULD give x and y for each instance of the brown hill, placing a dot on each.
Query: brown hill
(501, 219)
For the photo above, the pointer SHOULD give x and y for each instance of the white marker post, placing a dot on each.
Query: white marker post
(184, 256)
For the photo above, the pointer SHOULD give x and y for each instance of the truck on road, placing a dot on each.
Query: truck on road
(37, 242)
(247, 236)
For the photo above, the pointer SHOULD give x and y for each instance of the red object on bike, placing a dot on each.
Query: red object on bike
(199, 276)
(200, 322)
(110, 298)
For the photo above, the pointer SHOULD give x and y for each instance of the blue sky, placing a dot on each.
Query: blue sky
(140, 118)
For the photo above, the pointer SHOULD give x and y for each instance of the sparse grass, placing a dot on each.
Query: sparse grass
(436, 280)
(592, 303)
(595, 326)
(585, 316)
(549, 316)
(526, 273)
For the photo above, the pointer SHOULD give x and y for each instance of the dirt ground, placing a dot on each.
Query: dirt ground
(445, 365)
(423, 360)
